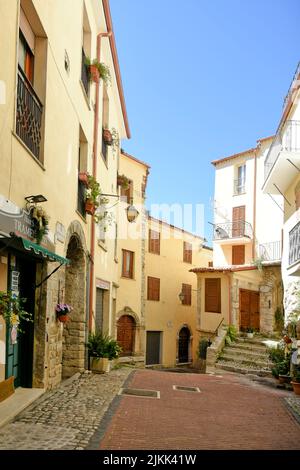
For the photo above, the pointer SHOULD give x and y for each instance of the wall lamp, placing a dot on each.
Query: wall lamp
(131, 211)
(35, 199)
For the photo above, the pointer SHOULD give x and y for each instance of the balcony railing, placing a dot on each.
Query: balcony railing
(292, 86)
(287, 139)
(294, 244)
(270, 251)
(85, 76)
(29, 115)
(239, 186)
(236, 229)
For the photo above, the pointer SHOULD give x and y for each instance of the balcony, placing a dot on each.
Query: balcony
(85, 76)
(270, 251)
(29, 115)
(294, 245)
(237, 232)
(283, 158)
(239, 186)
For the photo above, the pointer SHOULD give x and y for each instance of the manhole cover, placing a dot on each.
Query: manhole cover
(137, 392)
(186, 389)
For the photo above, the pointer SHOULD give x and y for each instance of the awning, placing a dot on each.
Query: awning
(38, 251)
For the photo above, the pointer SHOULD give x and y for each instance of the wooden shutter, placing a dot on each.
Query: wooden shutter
(213, 295)
(153, 288)
(238, 254)
(187, 291)
(127, 263)
(187, 252)
(238, 219)
(154, 242)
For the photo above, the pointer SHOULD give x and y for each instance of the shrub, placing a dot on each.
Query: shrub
(102, 345)
(277, 354)
(231, 335)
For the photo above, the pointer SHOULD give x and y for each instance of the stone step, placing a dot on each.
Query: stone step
(241, 360)
(250, 347)
(233, 367)
(254, 341)
(247, 353)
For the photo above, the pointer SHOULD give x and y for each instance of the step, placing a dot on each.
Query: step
(244, 361)
(232, 367)
(254, 341)
(250, 347)
(236, 352)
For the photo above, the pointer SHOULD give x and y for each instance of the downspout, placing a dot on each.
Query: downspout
(229, 298)
(254, 206)
(95, 152)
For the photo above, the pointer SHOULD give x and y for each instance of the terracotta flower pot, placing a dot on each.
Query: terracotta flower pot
(296, 387)
(107, 137)
(89, 207)
(64, 318)
(95, 74)
(83, 177)
(284, 379)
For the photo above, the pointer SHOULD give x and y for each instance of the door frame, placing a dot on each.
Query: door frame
(240, 303)
(134, 328)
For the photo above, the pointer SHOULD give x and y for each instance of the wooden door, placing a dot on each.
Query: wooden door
(249, 309)
(125, 334)
(153, 355)
(238, 254)
(238, 221)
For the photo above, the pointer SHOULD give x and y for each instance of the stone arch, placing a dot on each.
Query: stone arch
(74, 332)
(184, 341)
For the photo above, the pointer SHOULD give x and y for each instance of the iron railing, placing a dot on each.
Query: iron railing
(85, 75)
(287, 139)
(29, 115)
(294, 244)
(270, 251)
(236, 229)
(239, 186)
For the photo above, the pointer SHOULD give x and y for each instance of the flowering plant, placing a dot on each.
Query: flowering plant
(63, 309)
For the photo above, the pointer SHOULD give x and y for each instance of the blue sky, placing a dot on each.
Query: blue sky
(202, 80)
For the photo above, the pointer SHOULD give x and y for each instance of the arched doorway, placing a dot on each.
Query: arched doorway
(75, 295)
(183, 345)
(125, 334)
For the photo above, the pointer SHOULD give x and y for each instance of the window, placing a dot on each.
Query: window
(86, 51)
(127, 192)
(127, 266)
(241, 180)
(187, 292)
(154, 242)
(238, 254)
(213, 295)
(210, 264)
(26, 58)
(153, 288)
(187, 252)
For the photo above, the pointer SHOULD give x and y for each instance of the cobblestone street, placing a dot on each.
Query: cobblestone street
(66, 417)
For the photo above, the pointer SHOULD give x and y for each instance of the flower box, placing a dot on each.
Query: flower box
(83, 177)
(94, 73)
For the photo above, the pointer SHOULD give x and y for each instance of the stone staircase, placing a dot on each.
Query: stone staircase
(246, 356)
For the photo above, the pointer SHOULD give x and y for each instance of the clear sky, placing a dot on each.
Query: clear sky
(202, 80)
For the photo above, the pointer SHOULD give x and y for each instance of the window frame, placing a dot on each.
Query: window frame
(154, 243)
(187, 252)
(128, 274)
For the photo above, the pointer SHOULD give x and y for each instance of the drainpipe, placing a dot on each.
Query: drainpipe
(229, 298)
(95, 152)
(254, 206)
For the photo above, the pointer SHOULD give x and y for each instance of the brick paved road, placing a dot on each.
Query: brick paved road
(231, 412)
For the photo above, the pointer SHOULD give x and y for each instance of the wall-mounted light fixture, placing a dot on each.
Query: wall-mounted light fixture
(35, 199)
(132, 212)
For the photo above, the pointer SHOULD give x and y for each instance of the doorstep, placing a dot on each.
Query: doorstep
(17, 402)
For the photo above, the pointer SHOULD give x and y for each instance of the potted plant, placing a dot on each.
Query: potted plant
(98, 70)
(107, 137)
(102, 348)
(204, 343)
(123, 181)
(296, 380)
(92, 195)
(83, 177)
(63, 312)
(12, 309)
(40, 222)
(250, 332)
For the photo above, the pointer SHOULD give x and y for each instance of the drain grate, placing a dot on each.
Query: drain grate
(138, 392)
(186, 389)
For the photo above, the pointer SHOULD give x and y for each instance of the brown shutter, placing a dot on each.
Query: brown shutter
(153, 288)
(238, 217)
(187, 291)
(213, 295)
(187, 252)
(238, 254)
(127, 254)
(154, 242)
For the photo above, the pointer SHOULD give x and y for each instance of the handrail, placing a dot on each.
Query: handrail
(216, 330)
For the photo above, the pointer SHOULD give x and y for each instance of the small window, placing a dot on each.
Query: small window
(240, 182)
(213, 295)
(187, 292)
(127, 266)
(187, 252)
(238, 254)
(154, 242)
(153, 288)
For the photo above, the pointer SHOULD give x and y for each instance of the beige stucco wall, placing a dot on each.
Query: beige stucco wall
(168, 315)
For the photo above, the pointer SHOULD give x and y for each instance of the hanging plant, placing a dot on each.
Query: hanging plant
(12, 310)
(41, 223)
(123, 181)
(98, 70)
(63, 312)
